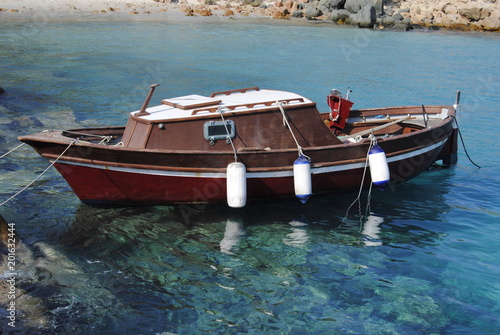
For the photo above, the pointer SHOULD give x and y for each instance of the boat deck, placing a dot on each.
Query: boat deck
(190, 106)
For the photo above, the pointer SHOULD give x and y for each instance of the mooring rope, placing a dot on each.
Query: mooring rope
(228, 135)
(39, 176)
(463, 143)
(285, 121)
(106, 139)
(372, 143)
(8, 152)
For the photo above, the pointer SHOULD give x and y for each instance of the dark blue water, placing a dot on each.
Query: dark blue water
(424, 261)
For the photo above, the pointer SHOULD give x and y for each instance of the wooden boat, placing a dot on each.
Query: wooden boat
(181, 151)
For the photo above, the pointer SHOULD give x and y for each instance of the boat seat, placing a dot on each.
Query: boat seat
(374, 129)
(421, 123)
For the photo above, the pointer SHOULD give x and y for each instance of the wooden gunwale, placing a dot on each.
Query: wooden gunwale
(55, 140)
(313, 151)
(399, 110)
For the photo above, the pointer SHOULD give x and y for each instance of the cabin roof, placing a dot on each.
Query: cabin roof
(196, 105)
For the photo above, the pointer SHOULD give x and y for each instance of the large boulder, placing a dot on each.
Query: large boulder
(454, 14)
(450, 20)
(470, 10)
(365, 18)
(492, 22)
(317, 8)
(312, 12)
(379, 7)
(333, 4)
(387, 21)
(298, 14)
(355, 6)
(327, 6)
(339, 14)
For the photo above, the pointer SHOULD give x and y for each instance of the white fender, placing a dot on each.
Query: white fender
(302, 178)
(379, 169)
(236, 185)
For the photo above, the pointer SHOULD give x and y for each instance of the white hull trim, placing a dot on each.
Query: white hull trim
(260, 175)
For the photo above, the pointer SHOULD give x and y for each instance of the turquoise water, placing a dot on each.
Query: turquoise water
(425, 261)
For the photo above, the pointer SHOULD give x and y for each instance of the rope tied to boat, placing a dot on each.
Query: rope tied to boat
(228, 134)
(285, 123)
(12, 150)
(40, 175)
(106, 139)
(463, 143)
(373, 141)
(20, 145)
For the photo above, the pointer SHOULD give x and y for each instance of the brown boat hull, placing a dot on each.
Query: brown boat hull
(109, 186)
(111, 174)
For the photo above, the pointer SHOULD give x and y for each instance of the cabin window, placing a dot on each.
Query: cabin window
(219, 130)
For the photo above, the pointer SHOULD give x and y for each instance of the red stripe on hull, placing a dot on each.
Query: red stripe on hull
(93, 185)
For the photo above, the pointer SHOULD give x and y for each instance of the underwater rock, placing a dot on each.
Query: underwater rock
(29, 311)
(2, 91)
(6, 236)
(40, 272)
(21, 122)
(58, 119)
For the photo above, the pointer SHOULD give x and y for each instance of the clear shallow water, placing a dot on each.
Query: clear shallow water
(425, 260)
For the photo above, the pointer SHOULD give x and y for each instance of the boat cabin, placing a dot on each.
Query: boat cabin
(251, 117)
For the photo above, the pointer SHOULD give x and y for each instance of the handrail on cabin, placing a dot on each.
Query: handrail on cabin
(241, 90)
(247, 105)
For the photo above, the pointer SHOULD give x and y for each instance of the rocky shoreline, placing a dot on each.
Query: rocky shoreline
(407, 14)
(480, 15)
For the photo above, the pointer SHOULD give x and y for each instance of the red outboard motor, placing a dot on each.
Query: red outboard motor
(340, 109)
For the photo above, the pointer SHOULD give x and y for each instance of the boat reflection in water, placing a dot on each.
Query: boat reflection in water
(235, 230)
(276, 252)
(371, 230)
(299, 236)
(232, 235)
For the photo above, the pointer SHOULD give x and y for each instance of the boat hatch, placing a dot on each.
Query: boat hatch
(219, 130)
(191, 101)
